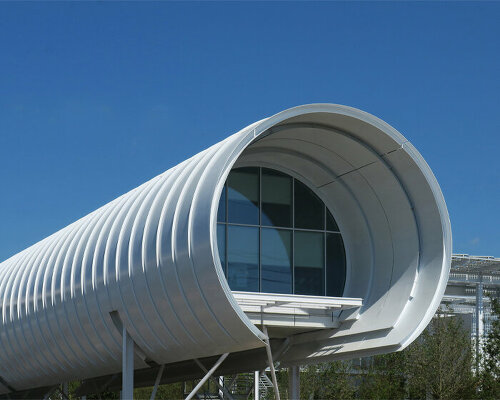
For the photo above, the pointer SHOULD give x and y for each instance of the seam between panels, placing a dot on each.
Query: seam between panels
(87, 261)
(44, 266)
(174, 198)
(229, 145)
(126, 236)
(143, 215)
(196, 165)
(24, 270)
(109, 243)
(56, 281)
(124, 217)
(36, 270)
(63, 261)
(195, 180)
(168, 186)
(31, 268)
(66, 290)
(32, 317)
(272, 147)
(77, 262)
(49, 270)
(6, 345)
(100, 252)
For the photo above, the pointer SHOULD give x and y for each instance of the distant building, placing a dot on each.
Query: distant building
(473, 281)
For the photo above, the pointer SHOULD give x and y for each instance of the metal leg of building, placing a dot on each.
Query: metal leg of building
(271, 364)
(256, 379)
(127, 366)
(207, 376)
(294, 383)
(220, 385)
(479, 314)
(157, 382)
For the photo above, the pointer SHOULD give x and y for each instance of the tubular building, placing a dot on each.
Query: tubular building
(319, 233)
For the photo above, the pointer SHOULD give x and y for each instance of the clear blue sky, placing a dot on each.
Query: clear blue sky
(96, 98)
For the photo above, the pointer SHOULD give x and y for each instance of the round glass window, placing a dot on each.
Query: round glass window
(276, 235)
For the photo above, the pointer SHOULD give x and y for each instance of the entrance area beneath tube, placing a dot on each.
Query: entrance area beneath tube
(275, 235)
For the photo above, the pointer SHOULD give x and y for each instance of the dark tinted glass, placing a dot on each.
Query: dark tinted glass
(309, 208)
(243, 258)
(331, 225)
(309, 263)
(335, 265)
(221, 213)
(221, 243)
(276, 260)
(276, 198)
(243, 196)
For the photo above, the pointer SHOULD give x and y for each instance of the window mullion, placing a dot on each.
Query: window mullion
(293, 236)
(260, 229)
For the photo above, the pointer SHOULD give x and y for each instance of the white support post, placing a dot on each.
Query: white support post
(127, 366)
(271, 364)
(479, 315)
(294, 383)
(207, 376)
(157, 382)
(256, 385)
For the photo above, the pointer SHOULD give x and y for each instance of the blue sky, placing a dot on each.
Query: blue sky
(96, 98)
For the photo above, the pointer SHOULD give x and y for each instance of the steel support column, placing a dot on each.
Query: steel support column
(479, 314)
(218, 382)
(157, 382)
(256, 382)
(271, 364)
(294, 383)
(127, 366)
(207, 376)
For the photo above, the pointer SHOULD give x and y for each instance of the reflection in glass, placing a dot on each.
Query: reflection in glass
(243, 258)
(276, 259)
(221, 244)
(276, 198)
(309, 209)
(335, 265)
(309, 263)
(331, 224)
(243, 196)
(221, 212)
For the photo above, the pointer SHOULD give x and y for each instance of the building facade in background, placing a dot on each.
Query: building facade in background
(472, 283)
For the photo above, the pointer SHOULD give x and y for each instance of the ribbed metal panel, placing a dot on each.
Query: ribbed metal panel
(146, 255)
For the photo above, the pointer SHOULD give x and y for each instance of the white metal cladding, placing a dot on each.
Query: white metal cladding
(151, 255)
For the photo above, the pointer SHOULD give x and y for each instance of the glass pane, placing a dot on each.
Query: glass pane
(243, 196)
(308, 208)
(221, 212)
(309, 263)
(276, 260)
(243, 258)
(221, 244)
(331, 224)
(276, 198)
(335, 265)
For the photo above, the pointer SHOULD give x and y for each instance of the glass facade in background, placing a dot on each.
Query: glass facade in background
(276, 235)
